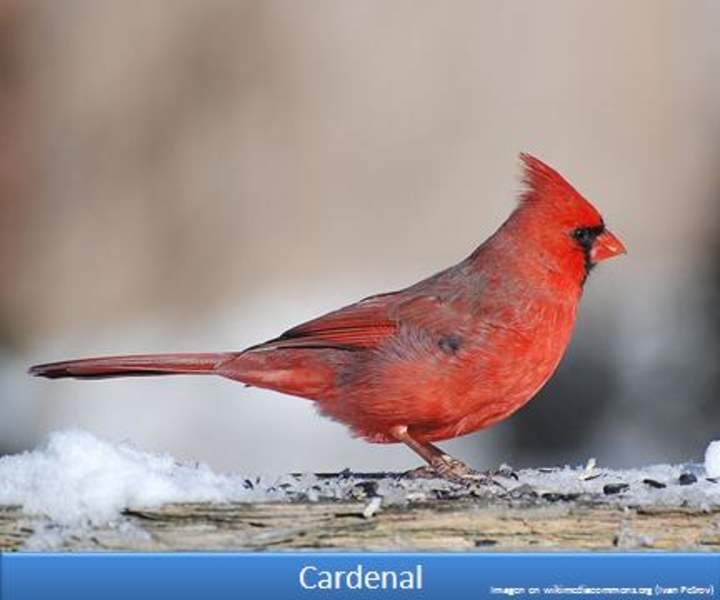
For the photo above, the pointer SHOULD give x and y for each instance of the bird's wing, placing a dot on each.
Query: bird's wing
(361, 325)
(367, 323)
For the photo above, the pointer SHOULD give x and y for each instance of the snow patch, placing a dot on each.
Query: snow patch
(76, 477)
(712, 459)
(653, 485)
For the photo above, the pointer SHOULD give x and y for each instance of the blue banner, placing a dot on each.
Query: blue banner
(26, 576)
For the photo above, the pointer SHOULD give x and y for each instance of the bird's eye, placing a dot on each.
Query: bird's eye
(583, 235)
(586, 235)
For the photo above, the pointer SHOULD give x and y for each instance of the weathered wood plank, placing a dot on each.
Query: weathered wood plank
(443, 525)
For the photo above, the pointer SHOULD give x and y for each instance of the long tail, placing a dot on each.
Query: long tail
(134, 365)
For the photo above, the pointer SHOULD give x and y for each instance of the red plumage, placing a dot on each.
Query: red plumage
(456, 352)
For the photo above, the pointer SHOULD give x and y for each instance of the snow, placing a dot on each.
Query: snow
(712, 459)
(655, 485)
(76, 479)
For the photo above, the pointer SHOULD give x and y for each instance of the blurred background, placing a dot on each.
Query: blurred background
(199, 176)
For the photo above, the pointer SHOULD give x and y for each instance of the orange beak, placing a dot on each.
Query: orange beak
(606, 246)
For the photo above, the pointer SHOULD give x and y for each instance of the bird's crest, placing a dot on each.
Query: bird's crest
(541, 178)
(547, 187)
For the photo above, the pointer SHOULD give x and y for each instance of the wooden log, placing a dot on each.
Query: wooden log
(456, 525)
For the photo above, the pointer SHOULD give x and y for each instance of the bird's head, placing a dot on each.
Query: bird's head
(561, 222)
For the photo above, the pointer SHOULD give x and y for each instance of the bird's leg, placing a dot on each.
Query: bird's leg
(439, 462)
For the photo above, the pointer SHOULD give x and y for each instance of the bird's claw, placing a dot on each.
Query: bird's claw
(426, 472)
(453, 470)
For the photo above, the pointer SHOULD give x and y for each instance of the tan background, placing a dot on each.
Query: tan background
(179, 175)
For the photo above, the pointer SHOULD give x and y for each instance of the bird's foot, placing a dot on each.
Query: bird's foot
(452, 469)
(426, 472)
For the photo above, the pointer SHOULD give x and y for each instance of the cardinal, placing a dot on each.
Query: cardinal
(454, 353)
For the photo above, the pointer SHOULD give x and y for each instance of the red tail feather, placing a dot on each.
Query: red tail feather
(133, 365)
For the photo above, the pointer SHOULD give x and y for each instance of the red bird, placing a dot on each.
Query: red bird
(451, 354)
